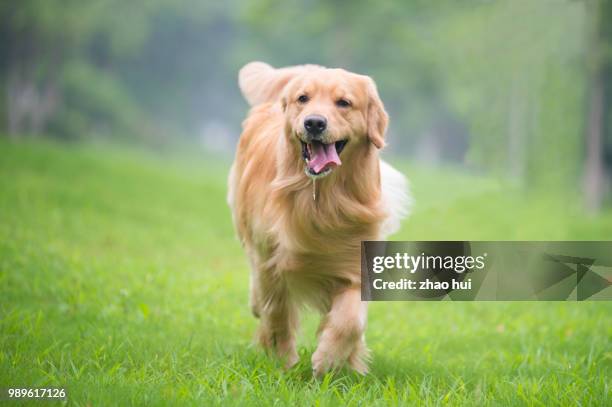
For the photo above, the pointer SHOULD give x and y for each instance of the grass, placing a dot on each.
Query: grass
(121, 279)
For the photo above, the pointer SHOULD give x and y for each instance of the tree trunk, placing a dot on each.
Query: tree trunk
(32, 88)
(30, 103)
(516, 129)
(594, 172)
(596, 61)
(17, 94)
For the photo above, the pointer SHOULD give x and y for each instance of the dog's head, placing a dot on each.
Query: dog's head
(330, 114)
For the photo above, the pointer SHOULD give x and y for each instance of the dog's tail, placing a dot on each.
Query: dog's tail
(261, 83)
(396, 198)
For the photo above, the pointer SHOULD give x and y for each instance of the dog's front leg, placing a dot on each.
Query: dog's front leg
(341, 334)
(279, 321)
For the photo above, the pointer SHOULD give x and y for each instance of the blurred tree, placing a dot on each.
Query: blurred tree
(41, 39)
(38, 35)
(501, 85)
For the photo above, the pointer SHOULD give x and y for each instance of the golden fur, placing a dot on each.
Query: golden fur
(304, 251)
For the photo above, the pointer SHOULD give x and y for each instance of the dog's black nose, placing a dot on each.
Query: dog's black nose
(315, 124)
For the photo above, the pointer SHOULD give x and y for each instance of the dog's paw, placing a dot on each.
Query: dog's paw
(282, 348)
(357, 361)
(291, 360)
(265, 339)
(323, 363)
(359, 365)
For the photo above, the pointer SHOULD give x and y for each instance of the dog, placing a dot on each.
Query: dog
(306, 188)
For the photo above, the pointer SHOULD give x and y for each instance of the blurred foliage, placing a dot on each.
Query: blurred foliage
(100, 100)
(498, 85)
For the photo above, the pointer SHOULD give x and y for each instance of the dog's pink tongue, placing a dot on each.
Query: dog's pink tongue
(323, 156)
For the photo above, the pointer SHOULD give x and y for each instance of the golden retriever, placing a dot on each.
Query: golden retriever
(306, 188)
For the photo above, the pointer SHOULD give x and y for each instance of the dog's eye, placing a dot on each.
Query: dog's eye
(343, 103)
(303, 99)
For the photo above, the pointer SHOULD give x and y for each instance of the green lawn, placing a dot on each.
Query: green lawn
(121, 279)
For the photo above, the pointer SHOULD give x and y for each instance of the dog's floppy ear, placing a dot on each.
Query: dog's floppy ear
(378, 119)
(261, 83)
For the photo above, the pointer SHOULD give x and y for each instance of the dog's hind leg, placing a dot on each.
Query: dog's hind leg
(254, 291)
(253, 297)
(278, 319)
